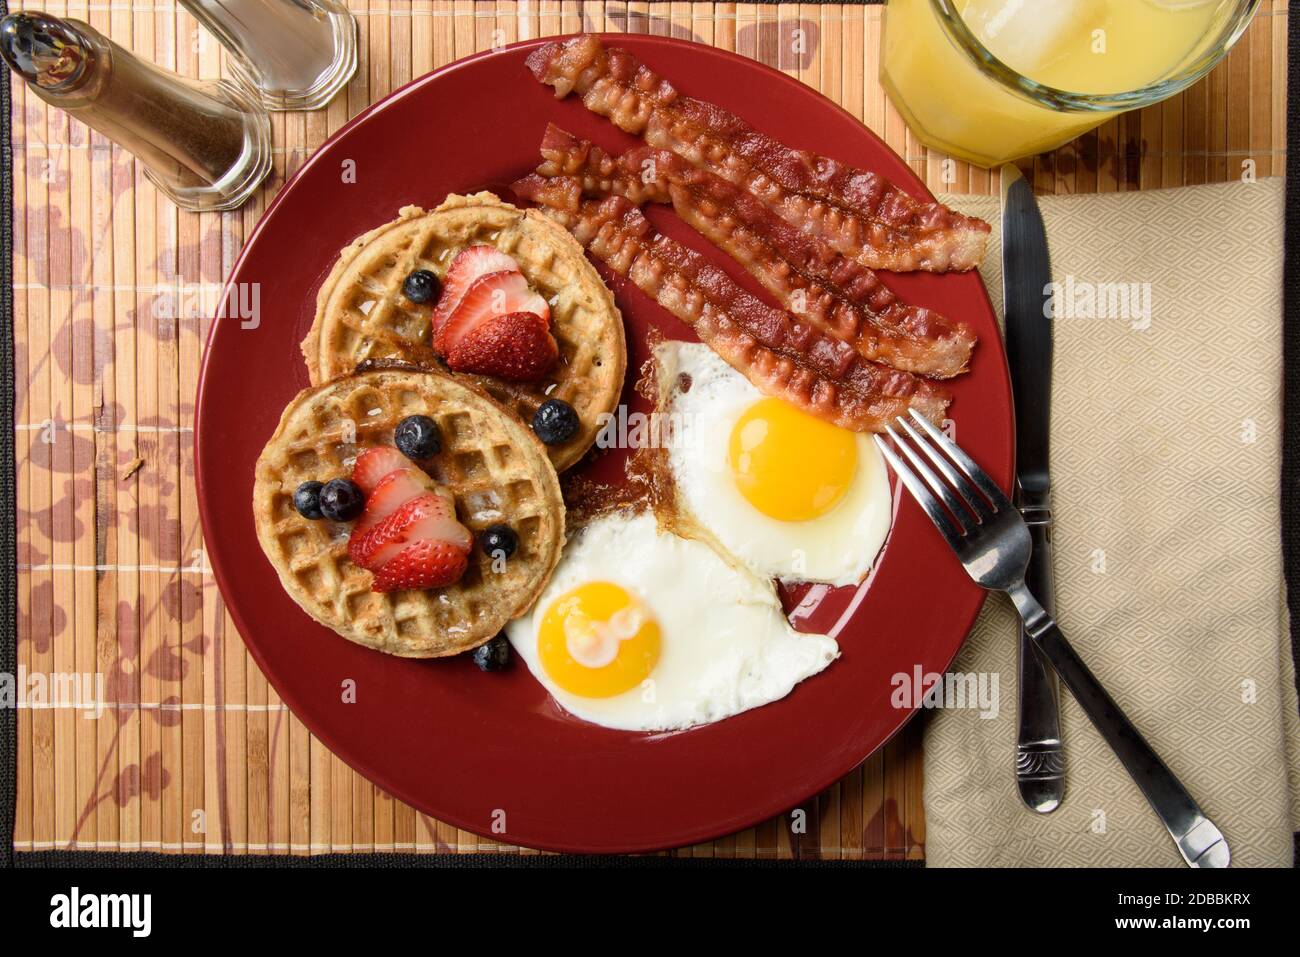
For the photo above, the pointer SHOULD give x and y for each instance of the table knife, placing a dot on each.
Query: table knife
(1026, 292)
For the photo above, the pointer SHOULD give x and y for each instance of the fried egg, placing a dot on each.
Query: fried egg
(786, 494)
(642, 630)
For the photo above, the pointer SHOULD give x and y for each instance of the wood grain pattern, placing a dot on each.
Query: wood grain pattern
(196, 753)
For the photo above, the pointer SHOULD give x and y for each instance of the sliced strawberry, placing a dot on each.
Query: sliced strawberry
(373, 464)
(470, 263)
(424, 564)
(493, 295)
(393, 491)
(431, 521)
(431, 516)
(516, 346)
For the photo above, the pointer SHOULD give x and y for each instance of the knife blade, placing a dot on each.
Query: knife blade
(1026, 292)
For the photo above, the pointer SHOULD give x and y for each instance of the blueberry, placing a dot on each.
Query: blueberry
(421, 286)
(341, 500)
(417, 437)
(493, 656)
(306, 499)
(555, 422)
(499, 538)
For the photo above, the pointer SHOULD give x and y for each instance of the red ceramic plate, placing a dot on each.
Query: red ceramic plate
(479, 749)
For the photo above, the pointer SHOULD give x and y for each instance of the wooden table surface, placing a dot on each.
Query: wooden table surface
(196, 753)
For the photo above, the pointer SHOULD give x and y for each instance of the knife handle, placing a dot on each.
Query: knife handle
(1040, 761)
(1199, 841)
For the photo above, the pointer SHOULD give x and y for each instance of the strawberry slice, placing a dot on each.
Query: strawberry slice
(393, 491)
(517, 346)
(425, 564)
(427, 517)
(374, 464)
(470, 263)
(493, 295)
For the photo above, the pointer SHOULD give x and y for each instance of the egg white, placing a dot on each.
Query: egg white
(837, 548)
(726, 645)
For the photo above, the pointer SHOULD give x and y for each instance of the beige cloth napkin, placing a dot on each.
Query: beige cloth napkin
(1166, 451)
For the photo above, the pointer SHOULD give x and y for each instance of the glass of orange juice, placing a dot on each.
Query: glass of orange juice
(994, 80)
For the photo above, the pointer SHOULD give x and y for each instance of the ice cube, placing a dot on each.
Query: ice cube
(1027, 35)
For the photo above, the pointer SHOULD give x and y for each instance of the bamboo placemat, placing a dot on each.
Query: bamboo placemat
(196, 753)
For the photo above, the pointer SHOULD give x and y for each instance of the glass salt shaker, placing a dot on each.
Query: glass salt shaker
(296, 53)
(205, 145)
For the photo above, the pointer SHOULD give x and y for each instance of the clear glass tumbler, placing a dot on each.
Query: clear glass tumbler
(297, 54)
(1094, 58)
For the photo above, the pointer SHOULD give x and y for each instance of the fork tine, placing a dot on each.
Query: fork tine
(922, 494)
(962, 486)
(964, 462)
(963, 519)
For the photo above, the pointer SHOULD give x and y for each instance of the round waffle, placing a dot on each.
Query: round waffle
(492, 463)
(361, 312)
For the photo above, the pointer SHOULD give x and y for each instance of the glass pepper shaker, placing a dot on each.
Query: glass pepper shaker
(206, 145)
(296, 53)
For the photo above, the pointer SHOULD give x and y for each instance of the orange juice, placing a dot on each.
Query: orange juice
(1092, 52)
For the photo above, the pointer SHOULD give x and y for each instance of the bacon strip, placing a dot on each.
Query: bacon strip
(838, 295)
(779, 354)
(858, 212)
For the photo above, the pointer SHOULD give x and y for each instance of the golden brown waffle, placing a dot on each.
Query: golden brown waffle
(361, 312)
(492, 463)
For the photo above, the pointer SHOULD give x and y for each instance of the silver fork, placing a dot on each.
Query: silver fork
(992, 542)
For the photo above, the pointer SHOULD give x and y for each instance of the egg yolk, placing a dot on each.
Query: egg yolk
(788, 464)
(598, 641)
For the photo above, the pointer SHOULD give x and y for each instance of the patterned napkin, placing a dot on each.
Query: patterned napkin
(1166, 451)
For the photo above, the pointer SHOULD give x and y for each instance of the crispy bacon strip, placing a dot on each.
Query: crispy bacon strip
(838, 295)
(779, 354)
(858, 212)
